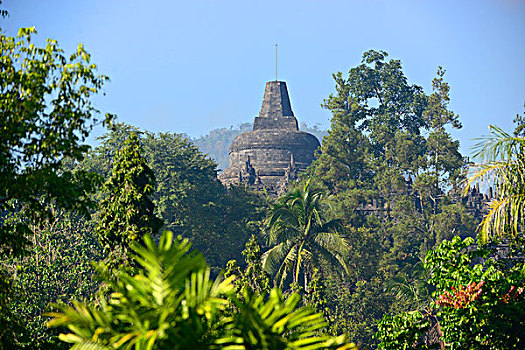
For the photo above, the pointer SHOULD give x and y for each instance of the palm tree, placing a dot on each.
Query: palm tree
(299, 235)
(503, 164)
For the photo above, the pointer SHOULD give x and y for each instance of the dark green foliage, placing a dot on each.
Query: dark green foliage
(390, 164)
(188, 197)
(187, 180)
(127, 213)
(357, 301)
(11, 326)
(237, 215)
(403, 332)
(252, 277)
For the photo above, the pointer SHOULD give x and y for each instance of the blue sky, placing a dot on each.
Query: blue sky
(192, 66)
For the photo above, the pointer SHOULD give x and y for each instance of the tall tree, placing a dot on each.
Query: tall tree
(127, 212)
(299, 235)
(46, 113)
(390, 163)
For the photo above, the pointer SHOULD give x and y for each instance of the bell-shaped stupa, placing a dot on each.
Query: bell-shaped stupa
(272, 153)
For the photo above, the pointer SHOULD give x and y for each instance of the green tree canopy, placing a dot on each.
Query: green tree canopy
(127, 212)
(188, 197)
(390, 164)
(479, 298)
(46, 113)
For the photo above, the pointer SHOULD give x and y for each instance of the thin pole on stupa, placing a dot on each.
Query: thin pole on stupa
(275, 62)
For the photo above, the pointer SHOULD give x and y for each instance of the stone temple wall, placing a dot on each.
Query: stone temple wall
(271, 155)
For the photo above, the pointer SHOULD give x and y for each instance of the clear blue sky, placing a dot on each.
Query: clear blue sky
(192, 66)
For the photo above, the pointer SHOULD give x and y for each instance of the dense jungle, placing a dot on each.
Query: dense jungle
(135, 244)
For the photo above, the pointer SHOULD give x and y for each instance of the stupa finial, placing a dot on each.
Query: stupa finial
(276, 62)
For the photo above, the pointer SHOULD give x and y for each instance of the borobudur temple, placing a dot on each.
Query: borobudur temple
(270, 156)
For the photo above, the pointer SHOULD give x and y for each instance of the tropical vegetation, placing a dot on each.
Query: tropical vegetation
(479, 296)
(299, 236)
(503, 167)
(173, 304)
(373, 244)
(126, 210)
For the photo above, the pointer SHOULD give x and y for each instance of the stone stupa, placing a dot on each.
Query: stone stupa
(270, 156)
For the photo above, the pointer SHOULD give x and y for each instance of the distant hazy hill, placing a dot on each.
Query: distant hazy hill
(217, 143)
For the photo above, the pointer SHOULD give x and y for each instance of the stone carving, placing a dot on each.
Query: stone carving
(248, 173)
(270, 156)
(290, 175)
(475, 201)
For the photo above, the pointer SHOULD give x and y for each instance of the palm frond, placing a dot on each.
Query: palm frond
(285, 217)
(483, 173)
(173, 285)
(333, 225)
(332, 256)
(504, 168)
(270, 259)
(333, 241)
(286, 266)
(280, 323)
(499, 218)
(279, 261)
(499, 144)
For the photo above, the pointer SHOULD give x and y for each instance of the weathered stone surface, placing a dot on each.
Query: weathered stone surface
(270, 156)
(276, 111)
